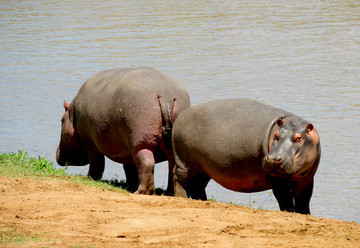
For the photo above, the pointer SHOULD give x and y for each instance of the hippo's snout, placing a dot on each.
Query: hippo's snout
(274, 160)
(276, 164)
(59, 159)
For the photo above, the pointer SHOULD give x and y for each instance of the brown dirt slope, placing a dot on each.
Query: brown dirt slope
(63, 214)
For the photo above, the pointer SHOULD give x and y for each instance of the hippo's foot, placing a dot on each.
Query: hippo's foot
(169, 192)
(170, 189)
(179, 190)
(143, 191)
(195, 186)
(291, 210)
(131, 187)
(95, 175)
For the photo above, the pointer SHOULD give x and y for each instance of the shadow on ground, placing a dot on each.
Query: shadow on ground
(130, 188)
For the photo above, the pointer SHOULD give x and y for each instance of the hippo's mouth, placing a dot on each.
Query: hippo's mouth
(63, 162)
(277, 174)
(278, 170)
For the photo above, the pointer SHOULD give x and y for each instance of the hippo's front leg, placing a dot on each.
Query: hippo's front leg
(145, 163)
(282, 192)
(302, 194)
(132, 180)
(97, 166)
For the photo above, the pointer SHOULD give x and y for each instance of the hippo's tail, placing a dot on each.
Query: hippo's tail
(167, 112)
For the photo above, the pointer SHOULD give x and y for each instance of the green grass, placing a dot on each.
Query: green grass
(9, 235)
(21, 165)
(18, 165)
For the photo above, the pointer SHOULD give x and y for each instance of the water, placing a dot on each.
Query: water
(302, 56)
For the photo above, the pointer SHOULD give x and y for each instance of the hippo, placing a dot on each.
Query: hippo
(246, 146)
(127, 115)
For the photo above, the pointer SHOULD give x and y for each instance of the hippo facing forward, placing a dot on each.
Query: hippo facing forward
(246, 146)
(126, 115)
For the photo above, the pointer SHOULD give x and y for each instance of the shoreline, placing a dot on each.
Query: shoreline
(65, 214)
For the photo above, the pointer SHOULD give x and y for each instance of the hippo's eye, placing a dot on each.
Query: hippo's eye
(298, 137)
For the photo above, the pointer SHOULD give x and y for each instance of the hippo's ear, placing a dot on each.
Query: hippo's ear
(279, 122)
(309, 127)
(66, 106)
(313, 133)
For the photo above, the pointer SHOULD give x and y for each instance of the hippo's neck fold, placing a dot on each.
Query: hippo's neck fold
(269, 132)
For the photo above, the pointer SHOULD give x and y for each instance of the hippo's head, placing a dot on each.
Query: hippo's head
(294, 148)
(70, 151)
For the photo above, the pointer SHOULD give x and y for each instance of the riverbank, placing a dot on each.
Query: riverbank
(58, 213)
(41, 206)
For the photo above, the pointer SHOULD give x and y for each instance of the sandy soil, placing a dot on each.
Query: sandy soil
(64, 214)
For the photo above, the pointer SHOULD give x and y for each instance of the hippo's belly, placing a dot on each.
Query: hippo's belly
(246, 184)
(119, 152)
(245, 176)
(119, 147)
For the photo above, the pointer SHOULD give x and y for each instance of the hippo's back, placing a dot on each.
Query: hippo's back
(122, 82)
(120, 109)
(128, 93)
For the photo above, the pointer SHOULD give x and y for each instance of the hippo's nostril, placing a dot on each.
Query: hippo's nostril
(274, 159)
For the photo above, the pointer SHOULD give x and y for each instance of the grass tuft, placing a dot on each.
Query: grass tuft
(20, 165)
(9, 235)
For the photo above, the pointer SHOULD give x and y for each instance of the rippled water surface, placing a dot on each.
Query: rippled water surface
(302, 56)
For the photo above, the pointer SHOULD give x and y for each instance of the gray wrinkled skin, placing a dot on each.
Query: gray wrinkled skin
(233, 142)
(127, 115)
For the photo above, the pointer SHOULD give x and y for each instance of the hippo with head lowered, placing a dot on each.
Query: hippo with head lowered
(246, 146)
(126, 115)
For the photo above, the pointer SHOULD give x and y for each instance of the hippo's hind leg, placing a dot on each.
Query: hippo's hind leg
(131, 174)
(179, 190)
(189, 182)
(195, 186)
(145, 163)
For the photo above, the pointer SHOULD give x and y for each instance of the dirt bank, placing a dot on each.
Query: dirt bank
(62, 214)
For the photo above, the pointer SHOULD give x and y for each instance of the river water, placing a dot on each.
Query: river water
(302, 56)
